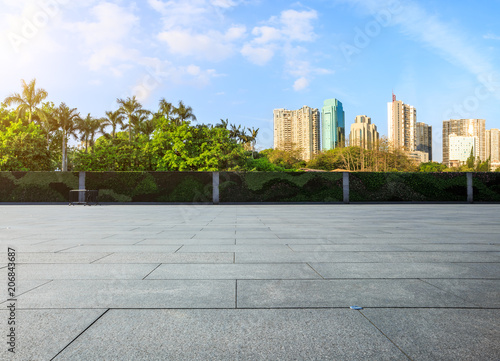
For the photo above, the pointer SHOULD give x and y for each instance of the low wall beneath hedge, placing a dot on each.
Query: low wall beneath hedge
(227, 187)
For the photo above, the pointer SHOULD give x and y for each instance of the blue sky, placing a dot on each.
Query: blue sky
(240, 59)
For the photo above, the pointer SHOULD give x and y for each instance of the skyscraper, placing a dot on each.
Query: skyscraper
(332, 124)
(464, 128)
(297, 130)
(423, 139)
(402, 123)
(493, 145)
(363, 133)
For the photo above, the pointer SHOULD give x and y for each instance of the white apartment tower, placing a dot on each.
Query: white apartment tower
(297, 130)
(402, 123)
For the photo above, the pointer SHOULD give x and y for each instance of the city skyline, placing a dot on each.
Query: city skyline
(239, 60)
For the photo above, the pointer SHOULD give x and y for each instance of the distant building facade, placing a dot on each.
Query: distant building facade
(402, 124)
(423, 141)
(462, 147)
(363, 134)
(464, 128)
(493, 147)
(332, 124)
(297, 130)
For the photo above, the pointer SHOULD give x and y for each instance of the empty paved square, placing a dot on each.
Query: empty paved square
(253, 282)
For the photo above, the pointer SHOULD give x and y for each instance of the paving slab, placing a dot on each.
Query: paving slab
(73, 258)
(344, 293)
(315, 247)
(41, 334)
(441, 334)
(432, 257)
(173, 258)
(484, 293)
(83, 271)
(407, 270)
(299, 257)
(63, 294)
(193, 241)
(234, 271)
(233, 335)
(122, 249)
(235, 248)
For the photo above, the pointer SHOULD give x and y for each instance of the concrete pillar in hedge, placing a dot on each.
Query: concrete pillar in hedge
(470, 188)
(345, 183)
(81, 185)
(215, 187)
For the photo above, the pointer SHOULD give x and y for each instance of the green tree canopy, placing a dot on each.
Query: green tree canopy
(28, 100)
(23, 148)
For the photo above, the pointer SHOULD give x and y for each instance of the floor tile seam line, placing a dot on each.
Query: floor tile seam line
(50, 240)
(151, 271)
(32, 289)
(345, 308)
(81, 333)
(448, 292)
(109, 236)
(109, 254)
(177, 250)
(65, 249)
(136, 243)
(307, 263)
(236, 294)
(387, 337)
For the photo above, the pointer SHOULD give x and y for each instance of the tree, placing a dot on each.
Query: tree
(183, 113)
(88, 128)
(47, 121)
(66, 120)
(130, 107)
(165, 109)
(471, 161)
(23, 148)
(114, 119)
(28, 100)
(432, 167)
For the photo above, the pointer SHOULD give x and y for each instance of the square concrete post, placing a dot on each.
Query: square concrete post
(215, 187)
(470, 188)
(345, 183)
(81, 185)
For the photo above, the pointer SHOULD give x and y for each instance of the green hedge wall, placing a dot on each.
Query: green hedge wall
(37, 186)
(195, 187)
(486, 187)
(408, 187)
(280, 187)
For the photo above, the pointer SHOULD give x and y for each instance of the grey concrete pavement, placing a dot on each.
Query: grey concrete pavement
(253, 282)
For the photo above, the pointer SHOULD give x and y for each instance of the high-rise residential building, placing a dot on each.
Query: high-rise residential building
(402, 123)
(332, 124)
(464, 128)
(493, 145)
(363, 134)
(423, 139)
(297, 130)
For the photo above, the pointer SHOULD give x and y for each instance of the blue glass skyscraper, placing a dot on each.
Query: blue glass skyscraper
(332, 124)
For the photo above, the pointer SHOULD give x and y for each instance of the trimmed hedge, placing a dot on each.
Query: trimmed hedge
(37, 186)
(408, 187)
(195, 187)
(280, 187)
(486, 187)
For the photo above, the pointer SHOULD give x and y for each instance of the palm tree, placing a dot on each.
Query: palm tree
(145, 124)
(28, 100)
(47, 121)
(114, 119)
(88, 128)
(252, 138)
(165, 109)
(66, 120)
(129, 107)
(183, 113)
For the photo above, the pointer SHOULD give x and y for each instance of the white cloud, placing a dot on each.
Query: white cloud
(223, 3)
(212, 45)
(449, 41)
(297, 25)
(491, 36)
(300, 84)
(257, 55)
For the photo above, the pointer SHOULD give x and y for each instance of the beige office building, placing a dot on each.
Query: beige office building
(402, 123)
(464, 128)
(297, 130)
(493, 145)
(363, 134)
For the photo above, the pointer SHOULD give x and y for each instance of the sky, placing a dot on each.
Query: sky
(240, 59)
